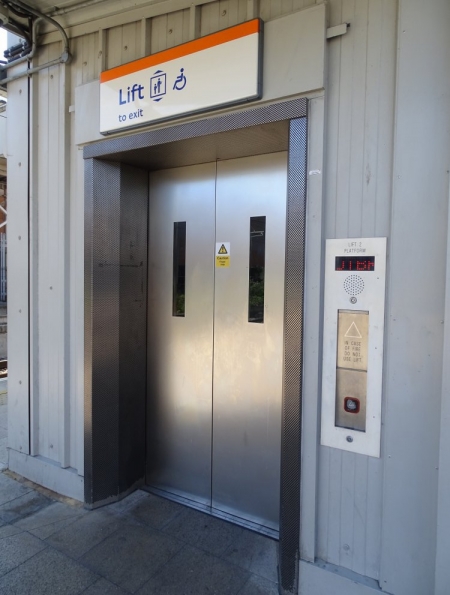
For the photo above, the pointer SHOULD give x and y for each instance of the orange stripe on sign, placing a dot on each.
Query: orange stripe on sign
(185, 49)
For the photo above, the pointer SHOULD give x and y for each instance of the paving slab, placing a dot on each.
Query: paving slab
(204, 531)
(144, 544)
(48, 573)
(104, 587)
(8, 530)
(257, 585)
(56, 511)
(195, 572)
(3, 434)
(17, 549)
(11, 489)
(153, 511)
(126, 503)
(84, 533)
(23, 506)
(46, 531)
(130, 556)
(256, 553)
(51, 519)
(3, 412)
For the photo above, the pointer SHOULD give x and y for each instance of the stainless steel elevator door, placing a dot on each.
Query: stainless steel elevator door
(179, 410)
(248, 356)
(215, 374)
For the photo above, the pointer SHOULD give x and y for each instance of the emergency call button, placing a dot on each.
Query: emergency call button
(352, 405)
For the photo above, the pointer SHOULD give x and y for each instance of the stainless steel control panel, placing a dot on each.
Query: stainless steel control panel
(351, 369)
(353, 344)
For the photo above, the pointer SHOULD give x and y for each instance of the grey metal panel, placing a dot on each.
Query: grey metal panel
(271, 9)
(322, 578)
(313, 305)
(169, 30)
(123, 44)
(295, 108)
(102, 318)
(248, 357)
(443, 510)
(357, 203)
(416, 298)
(289, 529)
(291, 437)
(255, 140)
(132, 325)
(88, 322)
(76, 331)
(214, 17)
(18, 268)
(50, 431)
(115, 313)
(180, 348)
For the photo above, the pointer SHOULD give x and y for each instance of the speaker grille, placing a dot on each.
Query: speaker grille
(354, 284)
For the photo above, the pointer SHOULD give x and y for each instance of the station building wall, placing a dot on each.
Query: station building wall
(379, 155)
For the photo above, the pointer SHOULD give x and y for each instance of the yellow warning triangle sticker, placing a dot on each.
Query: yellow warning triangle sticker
(222, 250)
(353, 332)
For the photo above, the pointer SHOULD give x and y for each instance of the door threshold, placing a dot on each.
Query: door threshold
(225, 516)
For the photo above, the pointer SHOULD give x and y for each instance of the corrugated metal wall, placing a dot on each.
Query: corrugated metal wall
(359, 151)
(359, 144)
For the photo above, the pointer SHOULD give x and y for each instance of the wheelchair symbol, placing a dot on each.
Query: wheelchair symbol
(180, 81)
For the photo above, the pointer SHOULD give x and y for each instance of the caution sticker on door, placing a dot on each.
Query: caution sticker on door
(222, 254)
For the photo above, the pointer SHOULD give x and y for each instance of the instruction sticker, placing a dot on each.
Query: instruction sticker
(353, 339)
(222, 254)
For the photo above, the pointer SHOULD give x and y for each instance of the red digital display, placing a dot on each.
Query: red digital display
(355, 263)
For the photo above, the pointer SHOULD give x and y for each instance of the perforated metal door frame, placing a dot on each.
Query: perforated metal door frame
(98, 193)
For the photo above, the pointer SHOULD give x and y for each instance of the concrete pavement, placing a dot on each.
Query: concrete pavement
(3, 426)
(143, 544)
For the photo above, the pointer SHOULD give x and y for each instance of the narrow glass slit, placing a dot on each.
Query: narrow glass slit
(256, 269)
(179, 268)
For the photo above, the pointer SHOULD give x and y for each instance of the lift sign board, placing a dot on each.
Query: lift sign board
(216, 70)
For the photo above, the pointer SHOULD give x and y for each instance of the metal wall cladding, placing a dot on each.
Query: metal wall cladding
(234, 121)
(107, 215)
(115, 321)
(292, 398)
(248, 355)
(132, 325)
(357, 203)
(357, 193)
(102, 279)
(180, 348)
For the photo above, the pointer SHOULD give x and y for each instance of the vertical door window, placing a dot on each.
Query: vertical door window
(179, 269)
(256, 269)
